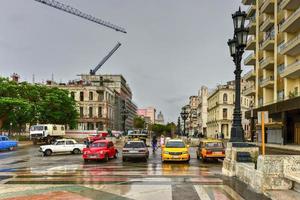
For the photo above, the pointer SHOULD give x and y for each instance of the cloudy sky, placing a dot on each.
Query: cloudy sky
(172, 46)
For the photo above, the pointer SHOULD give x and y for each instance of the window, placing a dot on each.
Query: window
(60, 142)
(62, 128)
(69, 142)
(54, 128)
(81, 112)
(73, 95)
(46, 128)
(81, 96)
(225, 98)
(110, 144)
(91, 96)
(100, 112)
(224, 113)
(90, 112)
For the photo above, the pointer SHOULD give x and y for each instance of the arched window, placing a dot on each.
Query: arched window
(225, 97)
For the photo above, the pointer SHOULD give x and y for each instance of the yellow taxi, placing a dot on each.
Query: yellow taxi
(210, 148)
(175, 150)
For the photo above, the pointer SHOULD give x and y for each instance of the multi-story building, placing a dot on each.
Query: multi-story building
(101, 101)
(149, 112)
(220, 111)
(274, 81)
(192, 121)
(202, 110)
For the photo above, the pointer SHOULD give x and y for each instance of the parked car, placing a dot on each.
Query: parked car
(210, 148)
(98, 136)
(135, 149)
(7, 144)
(100, 150)
(175, 150)
(62, 146)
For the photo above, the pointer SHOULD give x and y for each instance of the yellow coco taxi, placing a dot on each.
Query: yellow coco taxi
(210, 148)
(175, 150)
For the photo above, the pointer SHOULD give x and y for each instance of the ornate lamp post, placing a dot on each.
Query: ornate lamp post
(178, 126)
(184, 115)
(236, 47)
(124, 114)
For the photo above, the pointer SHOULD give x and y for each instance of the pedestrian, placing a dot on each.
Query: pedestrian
(162, 140)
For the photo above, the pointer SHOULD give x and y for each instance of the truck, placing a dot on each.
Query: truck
(46, 133)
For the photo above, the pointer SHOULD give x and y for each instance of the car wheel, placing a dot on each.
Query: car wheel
(11, 148)
(48, 152)
(76, 151)
(106, 157)
(115, 156)
(198, 157)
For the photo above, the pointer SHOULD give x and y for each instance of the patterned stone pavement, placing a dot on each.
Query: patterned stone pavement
(27, 175)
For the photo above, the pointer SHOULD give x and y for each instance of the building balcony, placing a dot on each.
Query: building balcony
(251, 43)
(280, 69)
(250, 76)
(292, 23)
(250, 59)
(292, 70)
(268, 43)
(252, 25)
(267, 82)
(248, 2)
(267, 24)
(267, 63)
(291, 48)
(250, 91)
(289, 4)
(267, 6)
(251, 10)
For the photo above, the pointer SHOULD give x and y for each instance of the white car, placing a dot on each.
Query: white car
(62, 146)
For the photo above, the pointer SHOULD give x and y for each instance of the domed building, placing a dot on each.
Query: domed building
(160, 118)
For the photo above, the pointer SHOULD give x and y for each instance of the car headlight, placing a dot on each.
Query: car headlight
(166, 152)
(185, 152)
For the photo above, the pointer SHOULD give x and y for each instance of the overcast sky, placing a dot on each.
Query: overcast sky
(172, 47)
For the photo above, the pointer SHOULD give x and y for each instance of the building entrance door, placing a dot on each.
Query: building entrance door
(224, 129)
(297, 133)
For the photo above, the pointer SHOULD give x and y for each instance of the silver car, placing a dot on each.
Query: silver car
(135, 149)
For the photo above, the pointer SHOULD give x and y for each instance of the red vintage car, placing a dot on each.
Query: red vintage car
(99, 136)
(100, 150)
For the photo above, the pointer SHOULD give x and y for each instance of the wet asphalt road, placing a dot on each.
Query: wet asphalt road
(27, 170)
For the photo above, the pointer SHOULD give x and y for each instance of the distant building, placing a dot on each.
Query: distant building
(147, 112)
(160, 118)
(221, 108)
(101, 100)
(202, 110)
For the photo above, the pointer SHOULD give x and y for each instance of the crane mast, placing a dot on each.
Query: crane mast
(74, 11)
(93, 71)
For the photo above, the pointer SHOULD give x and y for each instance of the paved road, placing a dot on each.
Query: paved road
(26, 174)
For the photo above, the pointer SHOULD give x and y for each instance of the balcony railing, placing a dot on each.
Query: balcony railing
(266, 22)
(289, 19)
(249, 90)
(265, 61)
(266, 80)
(249, 74)
(296, 63)
(283, 3)
(284, 46)
(249, 57)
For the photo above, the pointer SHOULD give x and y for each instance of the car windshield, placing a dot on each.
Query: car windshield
(175, 144)
(134, 145)
(214, 145)
(99, 144)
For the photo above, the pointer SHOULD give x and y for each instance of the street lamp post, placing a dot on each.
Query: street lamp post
(184, 115)
(236, 47)
(124, 114)
(178, 126)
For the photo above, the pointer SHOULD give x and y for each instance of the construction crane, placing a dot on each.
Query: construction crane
(93, 71)
(74, 11)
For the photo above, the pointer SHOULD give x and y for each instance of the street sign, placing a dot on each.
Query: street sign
(266, 117)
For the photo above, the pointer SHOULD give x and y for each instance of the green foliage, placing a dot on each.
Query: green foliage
(138, 123)
(22, 103)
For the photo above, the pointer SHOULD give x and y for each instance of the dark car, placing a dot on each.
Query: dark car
(135, 149)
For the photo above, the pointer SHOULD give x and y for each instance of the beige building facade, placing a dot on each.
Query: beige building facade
(202, 110)
(274, 80)
(220, 111)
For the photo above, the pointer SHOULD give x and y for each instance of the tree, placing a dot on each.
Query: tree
(138, 123)
(22, 103)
